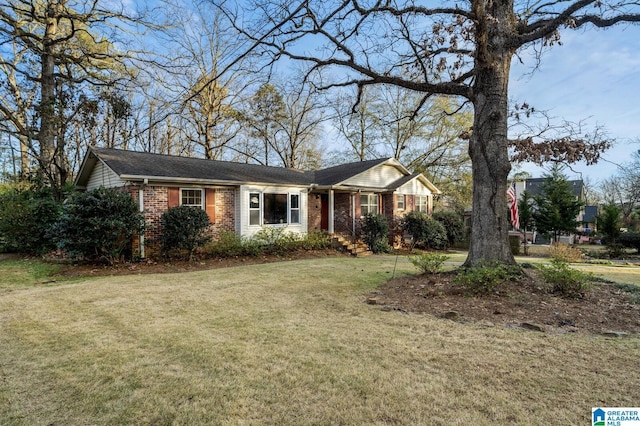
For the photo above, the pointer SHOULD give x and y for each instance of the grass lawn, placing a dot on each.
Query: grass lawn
(285, 343)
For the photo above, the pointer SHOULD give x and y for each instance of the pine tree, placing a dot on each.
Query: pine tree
(557, 207)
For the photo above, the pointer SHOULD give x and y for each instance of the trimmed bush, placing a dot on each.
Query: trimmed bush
(375, 232)
(184, 229)
(27, 218)
(426, 231)
(99, 225)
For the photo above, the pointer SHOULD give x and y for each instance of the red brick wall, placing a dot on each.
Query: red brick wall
(315, 212)
(156, 202)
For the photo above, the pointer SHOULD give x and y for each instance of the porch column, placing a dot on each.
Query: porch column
(331, 211)
(353, 214)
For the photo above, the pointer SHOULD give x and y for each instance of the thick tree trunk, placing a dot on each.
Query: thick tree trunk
(488, 143)
(47, 134)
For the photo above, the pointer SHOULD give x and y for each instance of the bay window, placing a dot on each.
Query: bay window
(268, 208)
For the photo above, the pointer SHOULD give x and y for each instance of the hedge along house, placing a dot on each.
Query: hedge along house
(244, 198)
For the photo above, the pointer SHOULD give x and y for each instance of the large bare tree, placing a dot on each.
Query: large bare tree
(59, 49)
(456, 48)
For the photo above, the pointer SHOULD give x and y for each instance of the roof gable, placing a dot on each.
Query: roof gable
(338, 174)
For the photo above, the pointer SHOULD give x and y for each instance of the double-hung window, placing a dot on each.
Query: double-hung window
(422, 204)
(294, 208)
(400, 202)
(368, 204)
(192, 197)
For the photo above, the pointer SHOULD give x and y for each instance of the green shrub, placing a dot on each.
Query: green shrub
(375, 232)
(429, 263)
(630, 240)
(426, 231)
(226, 244)
(566, 281)
(99, 225)
(184, 229)
(316, 240)
(453, 224)
(485, 278)
(267, 241)
(277, 240)
(27, 218)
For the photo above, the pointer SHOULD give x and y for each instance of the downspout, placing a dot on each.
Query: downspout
(141, 207)
(331, 212)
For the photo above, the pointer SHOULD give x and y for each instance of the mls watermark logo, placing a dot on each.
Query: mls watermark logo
(620, 416)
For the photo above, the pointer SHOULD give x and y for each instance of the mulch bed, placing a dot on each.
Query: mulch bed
(527, 303)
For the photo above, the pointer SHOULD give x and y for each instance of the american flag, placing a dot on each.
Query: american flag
(513, 206)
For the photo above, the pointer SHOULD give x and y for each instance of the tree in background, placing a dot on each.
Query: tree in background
(608, 222)
(264, 117)
(623, 189)
(358, 125)
(557, 207)
(464, 50)
(60, 50)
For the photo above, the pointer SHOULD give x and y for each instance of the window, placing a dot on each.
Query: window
(368, 204)
(294, 207)
(191, 197)
(275, 208)
(254, 208)
(400, 202)
(422, 204)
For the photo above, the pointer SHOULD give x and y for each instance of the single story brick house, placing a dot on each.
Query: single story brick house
(246, 197)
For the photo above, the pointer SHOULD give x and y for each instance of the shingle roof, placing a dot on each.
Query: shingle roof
(135, 164)
(143, 164)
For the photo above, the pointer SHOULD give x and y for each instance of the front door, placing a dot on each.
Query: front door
(324, 212)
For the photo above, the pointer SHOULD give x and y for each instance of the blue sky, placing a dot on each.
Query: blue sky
(594, 76)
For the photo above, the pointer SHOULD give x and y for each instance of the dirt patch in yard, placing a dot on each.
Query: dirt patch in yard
(526, 303)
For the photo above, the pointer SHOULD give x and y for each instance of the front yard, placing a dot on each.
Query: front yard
(285, 343)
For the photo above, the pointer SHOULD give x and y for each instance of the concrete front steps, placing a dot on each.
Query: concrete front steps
(345, 245)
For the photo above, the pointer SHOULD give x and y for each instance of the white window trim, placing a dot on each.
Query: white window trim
(290, 209)
(202, 195)
(369, 195)
(404, 202)
(261, 208)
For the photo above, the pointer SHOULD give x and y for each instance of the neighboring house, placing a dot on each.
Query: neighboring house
(244, 198)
